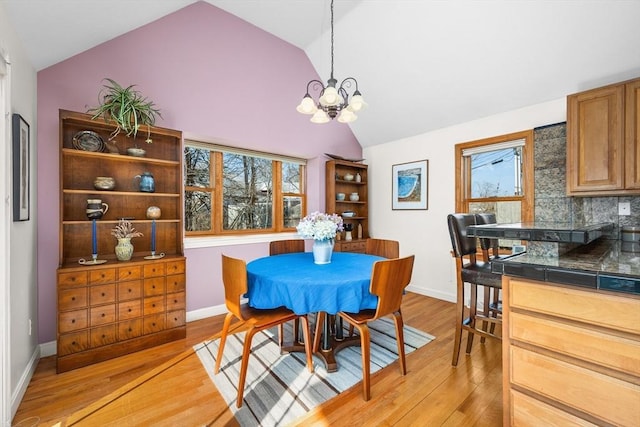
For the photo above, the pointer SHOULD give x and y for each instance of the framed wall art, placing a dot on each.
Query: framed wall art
(410, 185)
(21, 172)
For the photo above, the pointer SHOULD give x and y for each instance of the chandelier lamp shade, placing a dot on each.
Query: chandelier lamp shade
(333, 101)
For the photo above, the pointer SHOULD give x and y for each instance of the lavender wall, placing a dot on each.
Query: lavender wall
(212, 75)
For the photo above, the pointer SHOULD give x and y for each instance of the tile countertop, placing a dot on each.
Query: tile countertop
(602, 264)
(543, 231)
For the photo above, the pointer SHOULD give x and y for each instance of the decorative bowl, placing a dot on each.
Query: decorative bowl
(348, 214)
(104, 183)
(136, 152)
(348, 177)
(340, 196)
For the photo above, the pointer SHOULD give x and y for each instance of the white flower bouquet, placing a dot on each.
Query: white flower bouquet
(320, 226)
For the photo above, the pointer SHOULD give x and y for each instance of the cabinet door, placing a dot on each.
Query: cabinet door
(595, 140)
(632, 134)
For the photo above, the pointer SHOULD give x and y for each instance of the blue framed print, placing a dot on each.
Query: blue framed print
(410, 185)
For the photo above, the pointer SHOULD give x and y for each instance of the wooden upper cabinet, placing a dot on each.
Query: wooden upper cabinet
(602, 143)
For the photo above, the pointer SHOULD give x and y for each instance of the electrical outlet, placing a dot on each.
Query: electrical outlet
(624, 208)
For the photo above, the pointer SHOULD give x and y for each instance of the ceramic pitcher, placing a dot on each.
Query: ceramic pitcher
(147, 184)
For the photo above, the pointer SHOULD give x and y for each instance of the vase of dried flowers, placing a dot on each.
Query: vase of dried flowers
(124, 232)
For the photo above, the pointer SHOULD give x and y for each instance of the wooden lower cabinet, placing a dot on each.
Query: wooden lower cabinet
(357, 246)
(107, 311)
(571, 356)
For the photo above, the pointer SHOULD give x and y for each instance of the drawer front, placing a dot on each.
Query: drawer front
(175, 267)
(102, 336)
(72, 279)
(103, 314)
(175, 301)
(358, 247)
(153, 305)
(129, 309)
(576, 387)
(153, 324)
(613, 352)
(175, 319)
(102, 294)
(99, 277)
(611, 311)
(176, 283)
(72, 343)
(154, 286)
(129, 329)
(129, 273)
(529, 412)
(72, 320)
(69, 299)
(154, 270)
(129, 290)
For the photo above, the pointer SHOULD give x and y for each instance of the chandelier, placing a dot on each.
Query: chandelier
(333, 101)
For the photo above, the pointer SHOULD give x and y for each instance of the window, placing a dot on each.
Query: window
(495, 175)
(234, 191)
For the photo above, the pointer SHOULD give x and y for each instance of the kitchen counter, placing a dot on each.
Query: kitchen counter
(602, 264)
(560, 232)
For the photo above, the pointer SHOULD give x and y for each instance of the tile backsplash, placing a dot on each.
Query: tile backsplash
(551, 201)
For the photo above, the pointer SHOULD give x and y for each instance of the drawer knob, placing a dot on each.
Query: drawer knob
(73, 343)
(73, 320)
(103, 294)
(153, 305)
(73, 298)
(130, 290)
(153, 324)
(103, 314)
(104, 336)
(129, 310)
(130, 330)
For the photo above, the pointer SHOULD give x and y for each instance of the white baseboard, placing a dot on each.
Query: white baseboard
(23, 383)
(431, 293)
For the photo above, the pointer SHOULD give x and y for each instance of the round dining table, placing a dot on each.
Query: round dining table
(294, 281)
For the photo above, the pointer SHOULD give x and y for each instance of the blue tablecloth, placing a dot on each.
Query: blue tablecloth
(294, 281)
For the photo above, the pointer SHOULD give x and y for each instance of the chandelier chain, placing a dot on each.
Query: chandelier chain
(332, 39)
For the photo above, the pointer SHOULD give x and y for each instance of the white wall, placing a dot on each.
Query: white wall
(22, 351)
(424, 232)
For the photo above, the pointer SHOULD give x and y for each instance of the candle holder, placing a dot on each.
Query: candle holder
(94, 243)
(153, 213)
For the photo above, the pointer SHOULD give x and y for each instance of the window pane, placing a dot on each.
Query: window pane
(506, 213)
(292, 211)
(196, 167)
(247, 193)
(497, 173)
(291, 178)
(197, 208)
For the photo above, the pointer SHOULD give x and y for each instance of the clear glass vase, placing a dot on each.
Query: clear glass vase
(322, 250)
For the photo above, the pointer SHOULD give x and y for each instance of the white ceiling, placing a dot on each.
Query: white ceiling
(421, 64)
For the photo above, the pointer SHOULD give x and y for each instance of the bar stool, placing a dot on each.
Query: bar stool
(475, 273)
(492, 305)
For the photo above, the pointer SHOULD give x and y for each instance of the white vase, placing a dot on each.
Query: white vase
(322, 250)
(124, 249)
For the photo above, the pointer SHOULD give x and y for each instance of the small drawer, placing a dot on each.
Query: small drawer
(175, 283)
(72, 279)
(129, 290)
(154, 270)
(72, 320)
(175, 301)
(129, 329)
(106, 275)
(175, 319)
(72, 343)
(153, 324)
(69, 299)
(175, 267)
(129, 273)
(102, 336)
(103, 314)
(129, 309)
(102, 294)
(154, 286)
(153, 305)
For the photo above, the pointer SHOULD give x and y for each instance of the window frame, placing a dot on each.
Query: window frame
(463, 177)
(216, 179)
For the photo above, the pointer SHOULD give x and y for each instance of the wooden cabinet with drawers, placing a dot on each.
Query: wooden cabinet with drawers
(570, 356)
(110, 310)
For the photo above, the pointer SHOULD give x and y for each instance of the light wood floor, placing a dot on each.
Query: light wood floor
(167, 386)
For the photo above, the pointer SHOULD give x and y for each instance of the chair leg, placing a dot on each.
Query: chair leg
(307, 342)
(365, 345)
(318, 332)
(473, 309)
(457, 342)
(485, 310)
(494, 313)
(246, 352)
(397, 317)
(223, 340)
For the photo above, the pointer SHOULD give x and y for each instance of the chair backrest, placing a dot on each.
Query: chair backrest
(486, 244)
(234, 278)
(388, 280)
(462, 244)
(383, 248)
(278, 247)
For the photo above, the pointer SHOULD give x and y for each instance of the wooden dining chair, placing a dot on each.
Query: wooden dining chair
(234, 278)
(383, 248)
(278, 247)
(388, 280)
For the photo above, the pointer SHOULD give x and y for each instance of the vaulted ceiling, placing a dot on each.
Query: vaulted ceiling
(421, 64)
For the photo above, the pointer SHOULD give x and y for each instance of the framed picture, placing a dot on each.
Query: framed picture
(21, 172)
(410, 185)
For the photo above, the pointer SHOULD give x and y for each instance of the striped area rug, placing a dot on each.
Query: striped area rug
(279, 388)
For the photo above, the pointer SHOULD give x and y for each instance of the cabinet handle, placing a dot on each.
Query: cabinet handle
(153, 305)
(73, 320)
(73, 298)
(103, 276)
(175, 301)
(129, 310)
(73, 343)
(130, 329)
(153, 324)
(103, 314)
(130, 290)
(103, 294)
(104, 336)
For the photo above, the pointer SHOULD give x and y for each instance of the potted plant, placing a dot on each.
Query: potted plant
(127, 108)
(124, 232)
